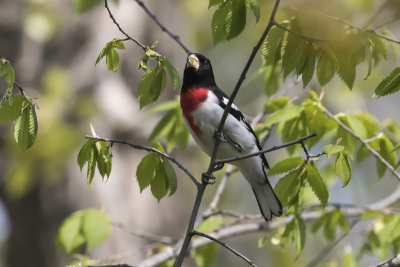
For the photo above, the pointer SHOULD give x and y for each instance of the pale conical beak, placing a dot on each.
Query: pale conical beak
(192, 62)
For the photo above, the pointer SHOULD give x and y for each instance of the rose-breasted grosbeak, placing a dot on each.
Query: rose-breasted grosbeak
(203, 104)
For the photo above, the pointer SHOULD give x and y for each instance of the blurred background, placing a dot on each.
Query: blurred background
(53, 49)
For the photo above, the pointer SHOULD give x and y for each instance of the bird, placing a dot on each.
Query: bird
(202, 104)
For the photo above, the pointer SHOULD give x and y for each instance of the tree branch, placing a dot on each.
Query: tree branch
(234, 251)
(390, 263)
(149, 149)
(367, 146)
(21, 90)
(163, 28)
(211, 168)
(298, 141)
(120, 29)
(147, 236)
(308, 38)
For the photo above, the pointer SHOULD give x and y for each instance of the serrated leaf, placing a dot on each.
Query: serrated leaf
(255, 8)
(283, 115)
(218, 23)
(117, 43)
(96, 227)
(276, 104)
(332, 149)
(103, 158)
(146, 170)
(386, 150)
(369, 60)
(102, 53)
(325, 69)
(346, 68)
(317, 184)
(7, 71)
(159, 184)
(378, 44)
(389, 85)
(287, 187)
(309, 67)
(11, 111)
(236, 19)
(91, 167)
(271, 80)
(343, 167)
(286, 165)
(215, 2)
(271, 46)
(151, 85)
(84, 153)
(26, 127)
(163, 127)
(173, 74)
(171, 177)
(112, 59)
(300, 238)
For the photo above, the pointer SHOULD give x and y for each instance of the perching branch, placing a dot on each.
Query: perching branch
(120, 29)
(298, 141)
(163, 28)
(149, 149)
(211, 168)
(234, 251)
(390, 263)
(364, 143)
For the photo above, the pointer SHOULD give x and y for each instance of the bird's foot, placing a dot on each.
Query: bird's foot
(218, 167)
(208, 178)
(220, 137)
(224, 138)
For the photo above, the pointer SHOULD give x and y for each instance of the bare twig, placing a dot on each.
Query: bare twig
(147, 236)
(367, 146)
(149, 149)
(298, 141)
(211, 168)
(384, 37)
(119, 27)
(234, 251)
(21, 90)
(112, 265)
(163, 28)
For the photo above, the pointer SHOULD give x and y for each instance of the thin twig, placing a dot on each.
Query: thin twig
(298, 141)
(163, 28)
(112, 265)
(201, 188)
(21, 90)
(149, 149)
(119, 27)
(367, 146)
(147, 236)
(234, 251)
(384, 37)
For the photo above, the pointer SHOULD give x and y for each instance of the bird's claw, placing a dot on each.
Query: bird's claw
(223, 138)
(208, 178)
(220, 136)
(218, 166)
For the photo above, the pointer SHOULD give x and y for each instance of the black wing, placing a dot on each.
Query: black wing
(235, 112)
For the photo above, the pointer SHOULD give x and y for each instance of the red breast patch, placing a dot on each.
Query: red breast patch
(190, 101)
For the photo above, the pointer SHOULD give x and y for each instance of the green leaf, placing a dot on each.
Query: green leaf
(84, 153)
(81, 6)
(112, 59)
(218, 22)
(103, 158)
(146, 170)
(332, 149)
(271, 47)
(255, 8)
(215, 3)
(206, 255)
(325, 69)
(288, 113)
(300, 238)
(26, 127)
(11, 110)
(287, 187)
(236, 19)
(69, 235)
(356, 125)
(321, 221)
(309, 67)
(349, 260)
(102, 54)
(163, 127)
(151, 85)
(389, 85)
(96, 227)
(378, 45)
(386, 150)
(293, 48)
(286, 165)
(173, 74)
(159, 186)
(117, 43)
(7, 71)
(346, 69)
(317, 184)
(276, 104)
(164, 106)
(271, 80)
(369, 60)
(171, 176)
(91, 166)
(210, 224)
(343, 167)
